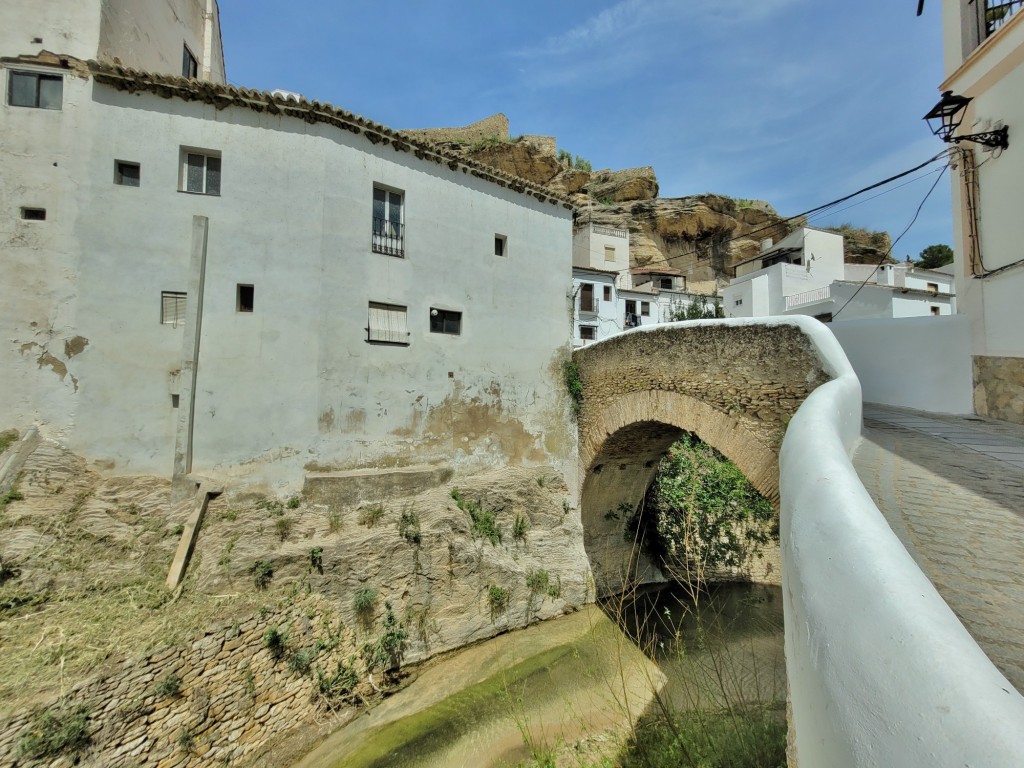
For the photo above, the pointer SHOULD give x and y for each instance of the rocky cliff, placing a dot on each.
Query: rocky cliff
(701, 235)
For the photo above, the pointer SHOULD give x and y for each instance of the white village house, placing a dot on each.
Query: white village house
(253, 286)
(804, 274)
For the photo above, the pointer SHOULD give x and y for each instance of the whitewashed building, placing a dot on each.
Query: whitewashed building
(804, 273)
(231, 283)
(984, 62)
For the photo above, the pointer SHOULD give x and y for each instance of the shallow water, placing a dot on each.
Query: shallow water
(566, 678)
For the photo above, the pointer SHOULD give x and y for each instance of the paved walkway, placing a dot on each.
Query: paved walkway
(952, 488)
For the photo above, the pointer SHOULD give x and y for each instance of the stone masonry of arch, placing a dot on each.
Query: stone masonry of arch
(733, 385)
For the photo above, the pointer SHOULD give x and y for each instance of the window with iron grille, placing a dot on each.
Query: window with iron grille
(35, 89)
(445, 321)
(645, 309)
(200, 172)
(388, 222)
(172, 308)
(387, 324)
(588, 332)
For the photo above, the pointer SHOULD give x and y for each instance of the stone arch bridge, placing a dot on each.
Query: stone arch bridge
(735, 385)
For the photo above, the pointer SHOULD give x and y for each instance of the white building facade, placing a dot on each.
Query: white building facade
(984, 61)
(238, 285)
(804, 274)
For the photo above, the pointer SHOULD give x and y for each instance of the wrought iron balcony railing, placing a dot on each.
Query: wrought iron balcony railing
(388, 237)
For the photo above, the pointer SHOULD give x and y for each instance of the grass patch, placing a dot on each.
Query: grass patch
(484, 523)
(497, 599)
(371, 515)
(13, 494)
(56, 731)
(519, 528)
(283, 527)
(294, 502)
(7, 438)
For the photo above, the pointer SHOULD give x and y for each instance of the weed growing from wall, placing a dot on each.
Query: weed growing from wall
(275, 641)
(169, 686)
(409, 526)
(262, 572)
(60, 730)
(483, 522)
(316, 560)
(386, 652)
(497, 599)
(573, 384)
(519, 528)
(371, 515)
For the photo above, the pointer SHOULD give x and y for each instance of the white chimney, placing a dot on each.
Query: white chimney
(766, 244)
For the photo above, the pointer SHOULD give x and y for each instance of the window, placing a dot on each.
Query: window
(935, 310)
(738, 302)
(587, 302)
(127, 174)
(631, 320)
(933, 287)
(445, 321)
(665, 283)
(34, 89)
(387, 324)
(245, 298)
(645, 308)
(609, 253)
(588, 332)
(33, 214)
(189, 65)
(499, 245)
(387, 222)
(172, 308)
(607, 293)
(200, 172)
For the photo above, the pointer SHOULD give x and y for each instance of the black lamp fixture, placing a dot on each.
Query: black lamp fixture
(946, 116)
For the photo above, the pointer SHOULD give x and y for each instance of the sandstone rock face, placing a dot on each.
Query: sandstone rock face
(623, 186)
(519, 158)
(862, 246)
(702, 235)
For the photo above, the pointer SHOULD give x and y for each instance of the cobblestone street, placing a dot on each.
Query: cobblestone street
(952, 488)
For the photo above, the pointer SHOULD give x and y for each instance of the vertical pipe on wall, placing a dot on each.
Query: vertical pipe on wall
(181, 487)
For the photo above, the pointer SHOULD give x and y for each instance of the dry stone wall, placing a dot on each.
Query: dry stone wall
(489, 127)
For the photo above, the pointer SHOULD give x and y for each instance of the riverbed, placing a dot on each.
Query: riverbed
(568, 680)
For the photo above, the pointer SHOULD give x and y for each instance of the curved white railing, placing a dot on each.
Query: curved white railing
(881, 672)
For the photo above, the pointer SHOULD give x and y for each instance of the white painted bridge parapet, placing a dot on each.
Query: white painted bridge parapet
(881, 672)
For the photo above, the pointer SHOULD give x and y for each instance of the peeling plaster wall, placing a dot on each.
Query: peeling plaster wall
(69, 27)
(292, 386)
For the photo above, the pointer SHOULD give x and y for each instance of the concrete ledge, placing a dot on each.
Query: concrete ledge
(881, 672)
(359, 486)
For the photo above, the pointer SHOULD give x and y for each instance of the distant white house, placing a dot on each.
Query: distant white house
(609, 297)
(804, 273)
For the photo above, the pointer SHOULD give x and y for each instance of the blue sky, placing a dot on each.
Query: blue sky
(797, 102)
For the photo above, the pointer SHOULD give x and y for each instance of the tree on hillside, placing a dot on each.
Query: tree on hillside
(935, 256)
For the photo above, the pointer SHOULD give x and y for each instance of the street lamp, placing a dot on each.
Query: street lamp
(945, 117)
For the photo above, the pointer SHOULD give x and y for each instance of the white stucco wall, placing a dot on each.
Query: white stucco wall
(993, 75)
(881, 672)
(608, 319)
(294, 382)
(69, 27)
(922, 362)
(139, 33)
(588, 250)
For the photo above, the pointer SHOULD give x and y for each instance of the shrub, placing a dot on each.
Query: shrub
(275, 641)
(484, 523)
(497, 598)
(283, 526)
(371, 515)
(333, 521)
(574, 385)
(301, 662)
(387, 651)
(273, 506)
(519, 528)
(169, 686)
(582, 164)
(409, 527)
(538, 581)
(316, 559)
(293, 502)
(364, 600)
(186, 740)
(262, 573)
(336, 687)
(55, 731)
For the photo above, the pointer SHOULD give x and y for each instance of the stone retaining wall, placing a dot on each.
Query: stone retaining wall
(495, 125)
(233, 696)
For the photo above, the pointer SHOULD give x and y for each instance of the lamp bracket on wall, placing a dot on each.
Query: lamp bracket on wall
(945, 117)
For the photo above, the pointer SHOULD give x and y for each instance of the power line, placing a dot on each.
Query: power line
(888, 252)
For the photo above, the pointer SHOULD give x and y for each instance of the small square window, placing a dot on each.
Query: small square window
(246, 298)
(445, 321)
(500, 242)
(645, 309)
(609, 253)
(33, 214)
(34, 89)
(607, 293)
(172, 308)
(665, 283)
(935, 310)
(189, 65)
(738, 302)
(200, 172)
(127, 174)
(933, 287)
(387, 324)
(588, 332)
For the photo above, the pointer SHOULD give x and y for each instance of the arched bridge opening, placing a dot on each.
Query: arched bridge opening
(733, 385)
